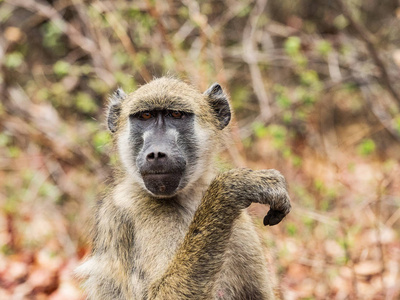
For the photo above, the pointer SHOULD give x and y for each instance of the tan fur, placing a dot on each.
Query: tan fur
(200, 244)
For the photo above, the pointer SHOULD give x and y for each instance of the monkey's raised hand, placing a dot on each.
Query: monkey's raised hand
(244, 186)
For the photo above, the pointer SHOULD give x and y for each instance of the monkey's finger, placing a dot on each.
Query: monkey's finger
(273, 217)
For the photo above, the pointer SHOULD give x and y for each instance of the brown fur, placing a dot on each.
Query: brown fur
(199, 244)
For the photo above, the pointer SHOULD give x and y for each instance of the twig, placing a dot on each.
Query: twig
(123, 37)
(334, 67)
(315, 215)
(376, 108)
(349, 260)
(174, 51)
(249, 56)
(210, 33)
(393, 218)
(378, 217)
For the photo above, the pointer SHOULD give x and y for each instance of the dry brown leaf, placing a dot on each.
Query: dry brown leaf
(368, 267)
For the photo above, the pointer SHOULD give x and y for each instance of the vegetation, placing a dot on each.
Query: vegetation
(315, 88)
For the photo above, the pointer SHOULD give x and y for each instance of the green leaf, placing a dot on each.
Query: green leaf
(297, 161)
(397, 124)
(48, 189)
(14, 60)
(127, 83)
(367, 147)
(292, 45)
(120, 58)
(98, 86)
(309, 78)
(259, 129)
(245, 11)
(14, 151)
(85, 103)
(278, 134)
(340, 22)
(61, 68)
(283, 101)
(319, 184)
(101, 139)
(324, 47)
(52, 33)
(4, 140)
(291, 229)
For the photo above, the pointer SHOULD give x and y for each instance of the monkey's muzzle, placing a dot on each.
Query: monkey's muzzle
(162, 184)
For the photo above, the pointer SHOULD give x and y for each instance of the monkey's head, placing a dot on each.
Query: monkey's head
(166, 133)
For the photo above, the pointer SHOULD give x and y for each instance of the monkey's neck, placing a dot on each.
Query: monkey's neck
(191, 196)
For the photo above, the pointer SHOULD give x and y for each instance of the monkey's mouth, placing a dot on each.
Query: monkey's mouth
(162, 184)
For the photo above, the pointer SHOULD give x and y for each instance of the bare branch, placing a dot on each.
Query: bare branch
(250, 57)
(70, 31)
(120, 31)
(366, 37)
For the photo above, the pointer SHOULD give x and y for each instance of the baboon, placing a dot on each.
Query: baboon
(171, 227)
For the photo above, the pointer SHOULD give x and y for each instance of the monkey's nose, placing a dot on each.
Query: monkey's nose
(154, 156)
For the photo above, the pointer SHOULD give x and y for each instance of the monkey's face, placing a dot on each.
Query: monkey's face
(163, 148)
(166, 133)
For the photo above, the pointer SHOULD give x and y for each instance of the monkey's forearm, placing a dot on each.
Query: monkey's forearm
(192, 272)
(200, 256)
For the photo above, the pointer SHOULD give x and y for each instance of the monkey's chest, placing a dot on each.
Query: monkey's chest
(154, 252)
(153, 248)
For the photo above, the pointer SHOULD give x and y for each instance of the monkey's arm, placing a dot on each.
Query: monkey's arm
(192, 272)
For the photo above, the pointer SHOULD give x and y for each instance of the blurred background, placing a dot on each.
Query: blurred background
(315, 86)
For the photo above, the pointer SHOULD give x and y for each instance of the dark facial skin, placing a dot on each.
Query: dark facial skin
(165, 150)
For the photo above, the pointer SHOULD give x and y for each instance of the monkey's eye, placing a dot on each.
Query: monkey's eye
(176, 114)
(145, 115)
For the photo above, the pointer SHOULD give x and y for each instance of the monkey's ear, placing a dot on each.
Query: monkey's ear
(114, 109)
(220, 104)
